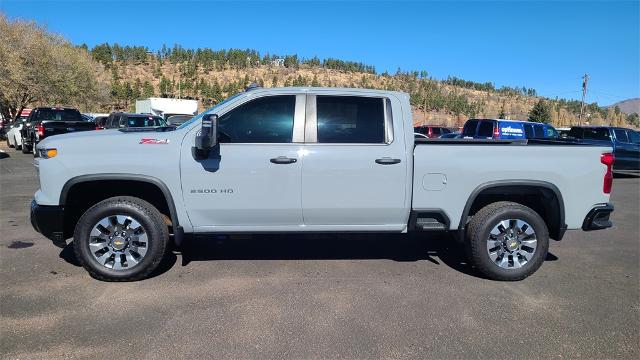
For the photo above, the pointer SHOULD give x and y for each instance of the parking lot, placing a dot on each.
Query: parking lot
(320, 296)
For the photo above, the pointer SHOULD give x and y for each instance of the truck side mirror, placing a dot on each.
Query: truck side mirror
(207, 138)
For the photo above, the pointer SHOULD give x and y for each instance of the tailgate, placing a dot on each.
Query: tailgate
(63, 127)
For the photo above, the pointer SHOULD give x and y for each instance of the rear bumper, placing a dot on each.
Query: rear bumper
(49, 221)
(598, 218)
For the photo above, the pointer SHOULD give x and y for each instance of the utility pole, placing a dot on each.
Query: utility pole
(585, 80)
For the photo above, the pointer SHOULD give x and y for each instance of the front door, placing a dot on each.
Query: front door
(252, 181)
(354, 171)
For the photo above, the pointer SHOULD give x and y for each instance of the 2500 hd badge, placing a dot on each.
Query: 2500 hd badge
(211, 191)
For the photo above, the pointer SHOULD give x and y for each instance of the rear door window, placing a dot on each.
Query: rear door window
(435, 131)
(621, 135)
(485, 129)
(634, 137)
(350, 119)
(470, 128)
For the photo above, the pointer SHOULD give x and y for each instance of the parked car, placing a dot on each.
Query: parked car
(451, 135)
(100, 121)
(345, 158)
(507, 129)
(14, 139)
(126, 120)
(625, 144)
(431, 131)
(47, 121)
(177, 120)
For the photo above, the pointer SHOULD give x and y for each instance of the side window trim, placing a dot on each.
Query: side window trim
(311, 123)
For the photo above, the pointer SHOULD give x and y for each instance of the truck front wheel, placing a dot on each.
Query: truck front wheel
(121, 239)
(507, 241)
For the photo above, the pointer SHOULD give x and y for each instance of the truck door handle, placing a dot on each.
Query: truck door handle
(283, 160)
(387, 161)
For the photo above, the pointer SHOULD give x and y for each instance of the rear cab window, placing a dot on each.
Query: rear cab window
(58, 115)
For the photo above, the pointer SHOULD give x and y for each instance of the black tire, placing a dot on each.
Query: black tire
(143, 212)
(18, 147)
(25, 148)
(482, 224)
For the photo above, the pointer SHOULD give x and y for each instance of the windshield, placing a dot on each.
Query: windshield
(196, 118)
(178, 119)
(148, 121)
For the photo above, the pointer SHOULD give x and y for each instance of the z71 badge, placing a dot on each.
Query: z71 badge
(154, 141)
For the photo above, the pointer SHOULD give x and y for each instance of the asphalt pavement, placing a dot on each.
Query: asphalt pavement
(321, 296)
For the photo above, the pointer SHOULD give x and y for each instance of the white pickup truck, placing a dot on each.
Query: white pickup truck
(312, 160)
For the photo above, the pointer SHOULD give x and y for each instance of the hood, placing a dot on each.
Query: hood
(112, 141)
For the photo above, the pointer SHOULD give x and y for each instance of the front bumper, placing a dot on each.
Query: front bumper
(598, 218)
(49, 221)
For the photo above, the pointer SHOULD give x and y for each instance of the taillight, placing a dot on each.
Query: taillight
(608, 160)
(430, 132)
(496, 132)
(99, 128)
(40, 130)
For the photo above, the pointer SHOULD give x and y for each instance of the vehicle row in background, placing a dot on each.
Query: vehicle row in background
(625, 144)
(47, 121)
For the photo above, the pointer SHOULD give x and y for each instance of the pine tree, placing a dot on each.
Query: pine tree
(147, 89)
(503, 114)
(315, 82)
(540, 112)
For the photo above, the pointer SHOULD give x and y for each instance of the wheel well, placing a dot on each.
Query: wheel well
(546, 201)
(81, 196)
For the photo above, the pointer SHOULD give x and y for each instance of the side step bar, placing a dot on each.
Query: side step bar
(428, 220)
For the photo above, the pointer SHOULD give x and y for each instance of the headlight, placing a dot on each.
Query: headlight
(48, 153)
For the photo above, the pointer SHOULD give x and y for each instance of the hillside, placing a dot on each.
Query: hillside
(434, 102)
(628, 106)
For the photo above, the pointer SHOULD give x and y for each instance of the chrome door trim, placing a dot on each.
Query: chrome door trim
(311, 125)
(299, 119)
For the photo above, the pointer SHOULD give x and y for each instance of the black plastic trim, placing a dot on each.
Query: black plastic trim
(131, 177)
(49, 221)
(415, 214)
(500, 183)
(598, 218)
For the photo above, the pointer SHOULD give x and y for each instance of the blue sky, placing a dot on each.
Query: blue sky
(544, 45)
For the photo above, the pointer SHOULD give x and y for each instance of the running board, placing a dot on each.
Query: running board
(429, 220)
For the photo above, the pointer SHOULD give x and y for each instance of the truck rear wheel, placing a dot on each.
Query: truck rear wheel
(507, 241)
(25, 148)
(121, 239)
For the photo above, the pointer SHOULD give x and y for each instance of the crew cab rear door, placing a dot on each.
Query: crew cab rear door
(254, 182)
(354, 172)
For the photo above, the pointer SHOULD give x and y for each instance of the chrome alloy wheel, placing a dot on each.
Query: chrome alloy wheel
(118, 242)
(511, 243)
